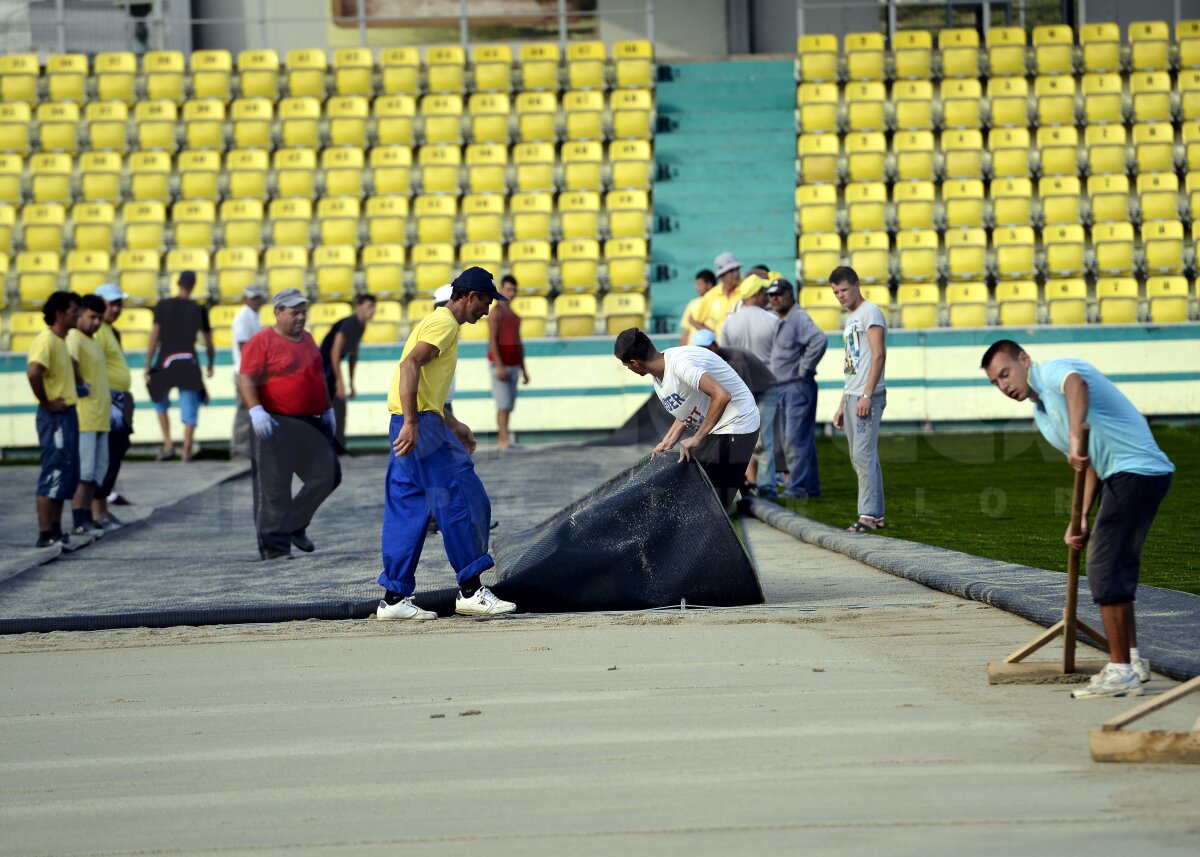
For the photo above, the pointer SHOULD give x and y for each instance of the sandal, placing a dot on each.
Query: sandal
(880, 523)
(861, 526)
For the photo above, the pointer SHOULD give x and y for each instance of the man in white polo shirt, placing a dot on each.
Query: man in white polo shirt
(245, 324)
(705, 396)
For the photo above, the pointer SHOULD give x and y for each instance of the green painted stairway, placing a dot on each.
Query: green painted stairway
(725, 152)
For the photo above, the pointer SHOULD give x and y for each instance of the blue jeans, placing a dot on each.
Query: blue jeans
(58, 435)
(189, 406)
(764, 453)
(798, 405)
(437, 477)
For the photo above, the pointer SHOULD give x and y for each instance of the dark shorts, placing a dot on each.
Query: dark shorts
(724, 458)
(1128, 504)
(58, 435)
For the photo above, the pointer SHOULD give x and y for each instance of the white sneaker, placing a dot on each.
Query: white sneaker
(403, 609)
(483, 603)
(1141, 668)
(1111, 681)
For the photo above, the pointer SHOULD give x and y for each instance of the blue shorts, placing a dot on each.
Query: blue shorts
(189, 406)
(58, 435)
(93, 455)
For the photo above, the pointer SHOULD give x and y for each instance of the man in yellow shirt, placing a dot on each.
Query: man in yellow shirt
(431, 471)
(689, 323)
(122, 403)
(721, 299)
(95, 413)
(55, 381)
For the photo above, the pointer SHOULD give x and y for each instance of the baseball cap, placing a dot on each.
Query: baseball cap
(442, 294)
(703, 338)
(289, 298)
(187, 278)
(253, 292)
(751, 286)
(779, 286)
(726, 263)
(475, 279)
(111, 292)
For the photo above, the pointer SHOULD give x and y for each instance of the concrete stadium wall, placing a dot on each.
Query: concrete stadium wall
(578, 387)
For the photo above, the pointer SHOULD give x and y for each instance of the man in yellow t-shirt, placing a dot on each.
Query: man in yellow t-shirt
(122, 403)
(720, 300)
(95, 413)
(54, 381)
(689, 322)
(431, 471)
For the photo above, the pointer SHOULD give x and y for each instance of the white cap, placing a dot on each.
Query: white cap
(726, 263)
(442, 294)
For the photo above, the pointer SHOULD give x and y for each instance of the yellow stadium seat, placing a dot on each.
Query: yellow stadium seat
(914, 105)
(539, 66)
(1064, 245)
(913, 204)
(1060, 199)
(417, 308)
(914, 155)
(582, 165)
(237, 269)
(1101, 47)
(385, 324)
(199, 175)
(1117, 300)
(50, 177)
(242, 222)
(627, 210)
(1105, 149)
(258, 74)
(1151, 91)
(337, 220)
(1058, 151)
(967, 304)
(400, 71)
(1012, 202)
(343, 171)
(42, 226)
(1154, 148)
(865, 106)
(204, 124)
(485, 254)
(960, 53)
(531, 216)
(1066, 301)
(576, 315)
(633, 64)
(164, 72)
(818, 154)
(1158, 196)
(387, 220)
(578, 264)
(432, 267)
(881, 296)
(435, 216)
(24, 328)
(1053, 48)
(816, 208)
(818, 58)
(193, 223)
(1055, 100)
(291, 222)
(623, 310)
(383, 269)
(106, 123)
(626, 262)
(395, 120)
(913, 53)
(537, 116)
(579, 214)
(631, 111)
(866, 206)
(866, 155)
(144, 224)
(1162, 244)
(585, 65)
(821, 305)
(1191, 144)
(445, 68)
(58, 126)
(66, 77)
(1168, 299)
(37, 276)
(12, 168)
(1189, 95)
(211, 73)
(295, 170)
(1149, 45)
(391, 170)
(286, 268)
(115, 73)
(440, 166)
(246, 171)
(334, 267)
(1108, 197)
(493, 68)
(220, 319)
(353, 69)
(347, 117)
(137, 274)
(92, 226)
(487, 168)
(961, 100)
(864, 56)
(962, 200)
(483, 217)
(1102, 98)
(1187, 36)
(87, 270)
(818, 105)
(534, 310)
(489, 112)
(631, 162)
(917, 252)
(1113, 244)
(962, 153)
(154, 125)
(918, 305)
(966, 254)
(252, 120)
(15, 122)
(8, 226)
(819, 253)
(1017, 303)
(1006, 51)
(584, 111)
(1015, 258)
(442, 119)
(135, 325)
(19, 77)
(299, 122)
(529, 262)
(869, 252)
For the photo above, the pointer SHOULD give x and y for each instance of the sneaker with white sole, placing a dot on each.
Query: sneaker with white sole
(403, 609)
(483, 603)
(1141, 668)
(1111, 681)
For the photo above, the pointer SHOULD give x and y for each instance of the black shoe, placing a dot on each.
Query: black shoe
(50, 542)
(303, 542)
(117, 500)
(270, 555)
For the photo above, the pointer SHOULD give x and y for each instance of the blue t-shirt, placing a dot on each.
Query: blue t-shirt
(1120, 440)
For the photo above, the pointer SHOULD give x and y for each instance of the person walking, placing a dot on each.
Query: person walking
(245, 324)
(119, 381)
(1124, 468)
(506, 357)
(799, 347)
(55, 383)
(688, 322)
(341, 342)
(864, 395)
(94, 413)
(431, 470)
(283, 383)
(172, 363)
(706, 397)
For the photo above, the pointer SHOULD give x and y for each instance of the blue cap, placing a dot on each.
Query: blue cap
(111, 292)
(703, 338)
(478, 280)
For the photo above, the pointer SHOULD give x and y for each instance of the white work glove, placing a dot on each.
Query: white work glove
(264, 424)
(330, 420)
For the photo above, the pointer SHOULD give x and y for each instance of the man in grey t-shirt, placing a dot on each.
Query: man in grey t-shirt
(864, 396)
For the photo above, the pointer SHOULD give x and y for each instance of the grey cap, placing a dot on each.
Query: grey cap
(289, 298)
(254, 292)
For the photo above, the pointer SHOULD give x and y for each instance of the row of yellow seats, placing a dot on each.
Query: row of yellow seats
(1007, 55)
(255, 123)
(400, 71)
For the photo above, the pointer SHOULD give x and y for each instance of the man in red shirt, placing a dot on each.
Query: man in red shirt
(282, 381)
(506, 357)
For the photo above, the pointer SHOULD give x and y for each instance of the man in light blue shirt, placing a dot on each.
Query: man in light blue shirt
(1123, 464)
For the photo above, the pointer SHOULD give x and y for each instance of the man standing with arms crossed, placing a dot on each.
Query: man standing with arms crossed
(431, 471)
(121, 430)
(864, 397)
(506, 357)
(799, 347)
(1124, 467)
(245, 324)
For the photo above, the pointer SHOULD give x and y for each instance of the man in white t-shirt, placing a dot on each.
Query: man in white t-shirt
(245, 324)
(705, 396)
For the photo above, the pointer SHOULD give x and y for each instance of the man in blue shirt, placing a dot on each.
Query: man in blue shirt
(1123, 464)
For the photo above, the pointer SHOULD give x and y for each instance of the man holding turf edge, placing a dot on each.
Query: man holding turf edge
(1124, 466)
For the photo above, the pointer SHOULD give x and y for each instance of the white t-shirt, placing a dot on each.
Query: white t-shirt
(245, 325)
(680, 393)
(859, 354)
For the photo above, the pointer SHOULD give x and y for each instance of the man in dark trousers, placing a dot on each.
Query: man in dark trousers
(340, 342)
(283, 383)
(171, 363)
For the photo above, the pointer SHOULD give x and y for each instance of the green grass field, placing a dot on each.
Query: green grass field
(1005, 495)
